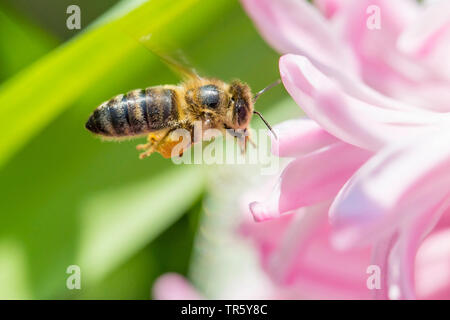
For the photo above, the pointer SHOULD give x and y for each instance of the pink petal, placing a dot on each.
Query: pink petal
(351, 114)
(428, 40)
(444, 222)
(296, 26)
(299, 137)
(380, 257)
(398, 184)
(305, 261)
(433, 266)
(422, 35)
(328, 7)
(410, 239)
(387, 55)
(301, 186)
(172, 286)
(268, 208)
(350, 86)
(431, 95)
(382, 64)
(266, 236)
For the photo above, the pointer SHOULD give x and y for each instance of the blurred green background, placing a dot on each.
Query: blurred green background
(67, 198)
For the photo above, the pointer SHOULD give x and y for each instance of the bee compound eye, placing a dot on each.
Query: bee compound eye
(241, 111)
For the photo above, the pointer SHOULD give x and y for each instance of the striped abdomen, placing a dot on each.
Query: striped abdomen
(134, 113)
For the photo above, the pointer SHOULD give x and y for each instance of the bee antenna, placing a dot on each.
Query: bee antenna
(270, 86)
(266, 123)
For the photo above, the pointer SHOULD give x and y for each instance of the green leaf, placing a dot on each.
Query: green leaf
(123, 221)
(169, 252)
(13, 271)
(20, 42)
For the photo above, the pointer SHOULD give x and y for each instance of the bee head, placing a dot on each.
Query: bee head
(241, 104)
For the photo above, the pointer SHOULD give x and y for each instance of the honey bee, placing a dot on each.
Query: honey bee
(160, 110)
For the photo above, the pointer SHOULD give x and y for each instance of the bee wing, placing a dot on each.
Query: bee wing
(182, 69)
(176, 62)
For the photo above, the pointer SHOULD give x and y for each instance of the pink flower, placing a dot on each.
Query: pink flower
(371, 168)
(172, 286)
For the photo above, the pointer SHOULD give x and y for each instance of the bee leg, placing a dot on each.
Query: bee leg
(146, 154)
(148, 147)
(244, 138)
(249, 138)
(242, 142)
(144, 146)
(148, 151)
(153, 142)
